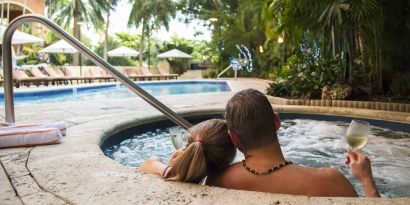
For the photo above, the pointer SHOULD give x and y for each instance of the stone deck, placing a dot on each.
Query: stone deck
(77, 172)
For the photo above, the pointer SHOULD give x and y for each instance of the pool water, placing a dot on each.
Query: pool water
(117, 91)
(307, 142)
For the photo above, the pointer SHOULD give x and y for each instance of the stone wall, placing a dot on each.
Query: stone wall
(396, 107)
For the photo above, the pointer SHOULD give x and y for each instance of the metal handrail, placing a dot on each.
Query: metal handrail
(8, 69)
(226, 69)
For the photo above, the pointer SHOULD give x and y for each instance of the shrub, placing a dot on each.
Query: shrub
(305, 77)
(210, 73)
(400, 86)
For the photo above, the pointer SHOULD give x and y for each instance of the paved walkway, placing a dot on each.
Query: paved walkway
(77, 172)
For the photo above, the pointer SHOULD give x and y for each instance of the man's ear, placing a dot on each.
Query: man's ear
(235, 140)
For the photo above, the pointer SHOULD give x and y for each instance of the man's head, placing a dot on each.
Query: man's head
(250, 119)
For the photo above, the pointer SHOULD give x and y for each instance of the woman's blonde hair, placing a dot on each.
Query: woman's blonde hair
(209, 150)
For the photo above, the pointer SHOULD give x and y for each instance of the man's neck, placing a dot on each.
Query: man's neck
(265, 156)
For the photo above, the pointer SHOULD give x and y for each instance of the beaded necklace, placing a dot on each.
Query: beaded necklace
(270, 170)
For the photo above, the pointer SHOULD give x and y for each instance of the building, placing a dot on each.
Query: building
(10, 9)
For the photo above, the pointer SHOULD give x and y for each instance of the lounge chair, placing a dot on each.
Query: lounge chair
(21, 78)
(148, 75)
(133, 73)
(166, 74)
(98, 74)
(59, 78)
(70, 76)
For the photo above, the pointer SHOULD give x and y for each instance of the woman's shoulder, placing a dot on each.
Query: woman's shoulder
(223, 178)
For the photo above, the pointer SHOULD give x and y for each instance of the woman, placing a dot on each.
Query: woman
(209, 150)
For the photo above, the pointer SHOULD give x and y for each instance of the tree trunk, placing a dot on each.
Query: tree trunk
(76, 31)
(141, 49)
(149, 46)
(333, 43)
(106, 31)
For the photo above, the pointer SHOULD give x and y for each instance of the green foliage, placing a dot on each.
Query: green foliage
(90, 11)
(305, 78)
(210, 73)
(112, 44)
(400, 87)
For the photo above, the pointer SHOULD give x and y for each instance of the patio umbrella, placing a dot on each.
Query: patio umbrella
(123, 52)
(60, 46)
(20, 37)
(174, 53)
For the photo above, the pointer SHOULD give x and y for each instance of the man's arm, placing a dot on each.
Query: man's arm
(361, 169)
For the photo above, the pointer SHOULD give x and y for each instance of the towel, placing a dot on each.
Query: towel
(12, 135)
(62, 126)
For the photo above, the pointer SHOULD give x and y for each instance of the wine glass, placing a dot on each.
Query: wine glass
(176, 137)
(357, 134)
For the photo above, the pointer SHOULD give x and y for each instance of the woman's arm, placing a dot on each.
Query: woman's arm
(153, 165)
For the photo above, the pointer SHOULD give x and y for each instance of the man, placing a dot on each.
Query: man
(251, 127)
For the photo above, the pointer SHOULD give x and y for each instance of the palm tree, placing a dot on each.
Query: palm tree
(111, 5)
(63, 12)
(150, 15)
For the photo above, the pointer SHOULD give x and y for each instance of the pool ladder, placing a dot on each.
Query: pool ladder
(8, 69)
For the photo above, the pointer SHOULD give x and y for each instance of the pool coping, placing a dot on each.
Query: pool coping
(47, 172)
(373, 105)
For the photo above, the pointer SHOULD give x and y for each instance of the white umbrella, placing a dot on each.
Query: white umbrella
(20, 37)
(174, 53)
(60, 46)
(123, 52)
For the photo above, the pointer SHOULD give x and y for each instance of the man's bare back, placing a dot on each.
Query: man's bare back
(252, 126)
(291, 179)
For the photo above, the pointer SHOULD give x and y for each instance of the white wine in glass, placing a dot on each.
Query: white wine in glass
(357, 134)
(176, 137)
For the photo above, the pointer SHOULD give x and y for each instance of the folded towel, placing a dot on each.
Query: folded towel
(62, 126)
(28, 136)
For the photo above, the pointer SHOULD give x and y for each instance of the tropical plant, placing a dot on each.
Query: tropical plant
(64, 12)
(112, 44)
(111, 5)
(306, 77)
(150, 15)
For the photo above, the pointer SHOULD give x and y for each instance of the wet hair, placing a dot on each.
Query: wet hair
(249, 115)
(209, 150)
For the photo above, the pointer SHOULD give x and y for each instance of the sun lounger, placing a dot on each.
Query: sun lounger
(98, 74)
(21, 78)
(59, 78)
(166, 74)
(72, 77)
(133, 73)
(148, 75)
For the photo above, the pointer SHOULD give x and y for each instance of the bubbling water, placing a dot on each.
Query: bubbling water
(306, 142)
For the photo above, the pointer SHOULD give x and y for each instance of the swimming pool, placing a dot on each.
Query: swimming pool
(312, 140)
(115, 90)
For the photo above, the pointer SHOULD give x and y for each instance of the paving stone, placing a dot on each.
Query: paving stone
(42, 198)
(15, 164)
(7, 194)
(25, 185)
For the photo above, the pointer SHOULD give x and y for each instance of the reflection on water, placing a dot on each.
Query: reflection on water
(307, 142)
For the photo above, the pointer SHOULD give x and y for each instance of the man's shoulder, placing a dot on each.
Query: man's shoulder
(331, 182)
